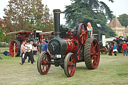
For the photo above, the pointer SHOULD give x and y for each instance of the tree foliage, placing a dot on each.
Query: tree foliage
(123, 20)
(1, 34)
(94, 11)
(2, 25)
(26, 14)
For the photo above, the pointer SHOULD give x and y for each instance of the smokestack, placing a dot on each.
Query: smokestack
(57, 22)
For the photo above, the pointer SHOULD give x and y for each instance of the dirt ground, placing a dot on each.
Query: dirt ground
(112, 70)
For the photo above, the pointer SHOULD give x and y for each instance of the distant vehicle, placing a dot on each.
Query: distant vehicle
(103, 49)
(21, 36)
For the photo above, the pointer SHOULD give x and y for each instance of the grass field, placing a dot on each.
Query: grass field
(112, 70)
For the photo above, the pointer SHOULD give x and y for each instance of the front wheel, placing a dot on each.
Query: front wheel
(69, 65)
(42, 63)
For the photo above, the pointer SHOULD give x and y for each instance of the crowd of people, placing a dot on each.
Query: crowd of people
(29, 50)
(113, 49)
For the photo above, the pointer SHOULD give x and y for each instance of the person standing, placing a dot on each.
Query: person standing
(45, 46)
(29, 51)
(115, 49)
(124, 47)
(34, 48)
(90, 29)
(23, 51)
(110, 49)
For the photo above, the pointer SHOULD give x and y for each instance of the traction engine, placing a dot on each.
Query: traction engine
(67, 51)
(21, 36)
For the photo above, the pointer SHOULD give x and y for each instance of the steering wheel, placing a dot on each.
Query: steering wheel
(82, 33)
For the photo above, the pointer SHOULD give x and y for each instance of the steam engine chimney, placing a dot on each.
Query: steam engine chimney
(57, 22)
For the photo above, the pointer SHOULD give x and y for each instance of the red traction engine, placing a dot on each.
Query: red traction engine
(66, 52)
(21, 36)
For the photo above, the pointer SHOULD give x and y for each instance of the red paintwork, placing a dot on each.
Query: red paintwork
(84, 33)
(71, 47)
(44, 66)
(20, 36)
(117, 38)
(79, 38)
(11, 48)
(71, 68)
(95, 54)
(23, 36)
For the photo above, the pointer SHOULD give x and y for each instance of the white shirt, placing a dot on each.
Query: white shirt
(28, 46)
(34, 48)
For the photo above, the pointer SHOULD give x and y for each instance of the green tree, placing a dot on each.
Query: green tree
(24, 15)
(47, 20)
(94, 11)
(123, 19)
(1, 34)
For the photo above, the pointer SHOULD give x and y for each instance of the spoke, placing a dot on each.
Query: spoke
(92, 49)
(82, 40)
(95, 45)
(70, 63)
(95, 62)
(92, 45)
(43, 67)
(81, 35)
(91, 53)
(46, 67)
(69, 68)
(92, 57)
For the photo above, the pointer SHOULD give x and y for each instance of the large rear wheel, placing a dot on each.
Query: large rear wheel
(91, 53)
(42, 63)
(14, 48)
(69, 65)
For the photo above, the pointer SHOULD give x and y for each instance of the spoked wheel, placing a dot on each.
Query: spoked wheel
(14, 48)
(82, 34)
(69, 65)
(104, 50)
(42, 63)
(91, 53)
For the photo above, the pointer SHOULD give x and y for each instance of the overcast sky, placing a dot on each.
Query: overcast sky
(118, 7)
